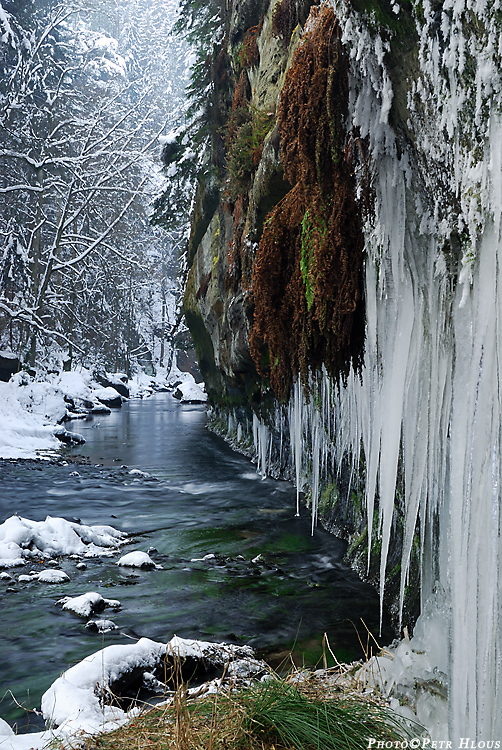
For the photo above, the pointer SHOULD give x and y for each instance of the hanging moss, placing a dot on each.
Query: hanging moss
(249, 55)
(307, 278)
(286, 16)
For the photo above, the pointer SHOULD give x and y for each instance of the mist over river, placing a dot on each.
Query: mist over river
(201, 498)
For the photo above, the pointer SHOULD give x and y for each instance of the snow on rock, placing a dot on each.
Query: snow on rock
(101, 626)
(31, 410)
(75, 385)
(22, 539)
(73, 702)
(139, 473)
(245, 669)
(107, 396)
(137, 559)
(53, 576)
(215, 654)
(189, 391)
(27, 416)
(87, 604)
(67, 437)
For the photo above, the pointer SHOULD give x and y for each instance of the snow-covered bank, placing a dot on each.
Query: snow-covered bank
(22, 540)
(33, 409)
(78, 702)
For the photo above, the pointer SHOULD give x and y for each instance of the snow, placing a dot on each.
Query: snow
(189, 391)
(7, 36)
(22, 539)
(73, 704)
(102, 626)
(52, 576)
(209, 556)
(214, 653)
(27, 416)
(171, 136)
(105, 394)
(137, 559)
(75, 384)
(87, 604)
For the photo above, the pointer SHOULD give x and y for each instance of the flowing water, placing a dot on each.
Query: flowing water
(201, 498)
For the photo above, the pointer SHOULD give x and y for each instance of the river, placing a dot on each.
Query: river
(201, 498)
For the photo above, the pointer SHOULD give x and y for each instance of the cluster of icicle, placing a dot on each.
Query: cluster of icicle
(429, 400)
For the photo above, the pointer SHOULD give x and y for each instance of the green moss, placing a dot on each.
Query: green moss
(245, 145)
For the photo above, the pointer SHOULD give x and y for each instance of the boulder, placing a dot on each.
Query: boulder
(108, 396)
(115, 380)
(9, 364)
(69, 438)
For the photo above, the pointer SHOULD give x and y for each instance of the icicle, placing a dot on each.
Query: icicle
(295, 428)
(315, 467)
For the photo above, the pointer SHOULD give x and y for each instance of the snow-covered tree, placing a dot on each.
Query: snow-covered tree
(81, 114)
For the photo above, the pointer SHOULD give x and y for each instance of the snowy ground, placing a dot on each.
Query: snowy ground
(32, 409)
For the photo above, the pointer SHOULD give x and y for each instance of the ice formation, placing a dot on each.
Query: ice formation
(429, 402)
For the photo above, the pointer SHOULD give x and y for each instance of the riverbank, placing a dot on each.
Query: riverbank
(307, 710)
(193, 695)
(35, 410)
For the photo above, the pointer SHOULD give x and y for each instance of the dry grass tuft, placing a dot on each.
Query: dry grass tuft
(302, 712)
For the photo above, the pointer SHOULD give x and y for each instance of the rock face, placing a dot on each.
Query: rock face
(218, 304)
(275, 285)
(344, 294)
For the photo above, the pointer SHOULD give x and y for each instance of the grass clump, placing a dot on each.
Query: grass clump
(274, 715)
(279, 712)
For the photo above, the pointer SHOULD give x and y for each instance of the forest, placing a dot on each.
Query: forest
(88, 96)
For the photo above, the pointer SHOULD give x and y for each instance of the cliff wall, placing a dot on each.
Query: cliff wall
(275, 288)
(344, 295)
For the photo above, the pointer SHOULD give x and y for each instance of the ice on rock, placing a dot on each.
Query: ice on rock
(217, 654)
(206, 558)
(101, 626)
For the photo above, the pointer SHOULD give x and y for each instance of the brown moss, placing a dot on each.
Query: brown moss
(307, 278)
(249, 55)
(285, 18)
